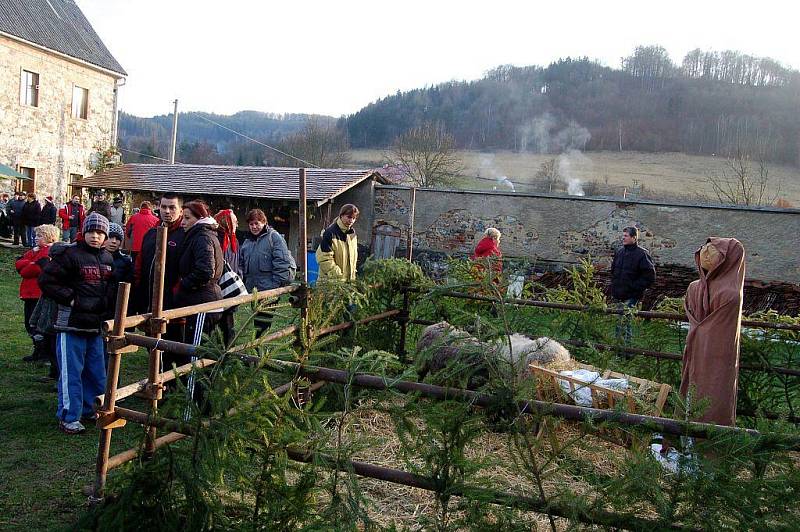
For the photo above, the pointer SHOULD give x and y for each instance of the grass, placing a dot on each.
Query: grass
(43, 471)
(656, 175)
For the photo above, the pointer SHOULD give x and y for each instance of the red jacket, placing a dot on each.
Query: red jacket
(487, 247)
(139, 224)
(29, 267)
(66, 211)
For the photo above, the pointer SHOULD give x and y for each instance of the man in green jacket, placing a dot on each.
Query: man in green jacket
(337, 254)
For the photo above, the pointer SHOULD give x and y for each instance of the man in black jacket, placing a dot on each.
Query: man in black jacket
(14, 210)
(49, 212)
(171, 214)
(632, 272)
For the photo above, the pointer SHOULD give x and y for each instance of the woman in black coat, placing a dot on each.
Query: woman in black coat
(199, 269)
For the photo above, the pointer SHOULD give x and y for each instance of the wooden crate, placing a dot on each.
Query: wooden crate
(640, 393)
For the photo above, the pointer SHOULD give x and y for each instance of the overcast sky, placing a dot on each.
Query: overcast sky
(334, 57)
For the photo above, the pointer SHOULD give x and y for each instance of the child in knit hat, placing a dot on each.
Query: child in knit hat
(123, 264)
(77, 279)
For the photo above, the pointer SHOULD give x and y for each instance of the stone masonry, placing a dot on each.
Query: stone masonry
(563, 230)
(47, 138)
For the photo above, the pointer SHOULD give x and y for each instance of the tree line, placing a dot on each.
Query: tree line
(712, 103)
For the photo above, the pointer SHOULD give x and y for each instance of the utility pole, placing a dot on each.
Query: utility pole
(174, 133)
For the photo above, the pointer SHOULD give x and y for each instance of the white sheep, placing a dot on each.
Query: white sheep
(449, 344)
(524, 351)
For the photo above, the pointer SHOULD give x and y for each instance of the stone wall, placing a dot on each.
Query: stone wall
(46, 137)
(563, 230)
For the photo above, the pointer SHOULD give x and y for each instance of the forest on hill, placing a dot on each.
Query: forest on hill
(204, 139)
(711, 103)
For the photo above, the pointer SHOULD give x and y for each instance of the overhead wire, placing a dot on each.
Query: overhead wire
(257, 141)
(143, 154)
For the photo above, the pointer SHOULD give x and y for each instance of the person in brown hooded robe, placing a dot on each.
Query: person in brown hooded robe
(714, 308)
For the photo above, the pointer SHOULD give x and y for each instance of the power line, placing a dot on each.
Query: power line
(143, 154)
(257, 141)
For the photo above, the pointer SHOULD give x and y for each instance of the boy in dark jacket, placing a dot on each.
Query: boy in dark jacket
(77, 280)
(123, 264)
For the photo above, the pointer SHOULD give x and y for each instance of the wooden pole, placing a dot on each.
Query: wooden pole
(106, 411)
(158, 326)
(303, 256)
(410, 236)
(302, 236)
(403, 318)
(181, 312)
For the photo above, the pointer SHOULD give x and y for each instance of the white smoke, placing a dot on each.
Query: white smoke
(505, 181)
(566, 169)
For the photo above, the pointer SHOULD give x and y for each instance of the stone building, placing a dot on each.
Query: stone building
(58, 93)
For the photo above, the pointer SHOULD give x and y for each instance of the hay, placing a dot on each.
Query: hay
(392, 504)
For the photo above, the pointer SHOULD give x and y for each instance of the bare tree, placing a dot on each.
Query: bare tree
(427, 154)
(320, 144)
(739, 183)
(548, 172)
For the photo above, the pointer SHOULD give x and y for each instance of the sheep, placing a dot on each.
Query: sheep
(524, 351)
(442, 344)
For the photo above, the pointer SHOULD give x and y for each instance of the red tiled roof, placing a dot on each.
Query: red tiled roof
(240, 181)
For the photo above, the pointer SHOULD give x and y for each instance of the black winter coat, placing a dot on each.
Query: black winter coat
(31, 213)
(200, 267)
(145, 267)
(77, 278)
(100, 207)
(122, 273)
(49, 214)
(632, 272)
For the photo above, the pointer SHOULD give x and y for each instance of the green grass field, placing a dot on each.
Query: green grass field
(42, 471)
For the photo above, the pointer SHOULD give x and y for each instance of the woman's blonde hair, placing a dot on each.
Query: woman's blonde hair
(493, 232)
(50, 233)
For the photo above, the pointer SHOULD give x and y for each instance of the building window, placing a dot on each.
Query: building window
(29, 89)
(27, 185)
(80, 102)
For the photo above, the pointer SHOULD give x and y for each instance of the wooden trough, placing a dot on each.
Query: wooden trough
(642, 395)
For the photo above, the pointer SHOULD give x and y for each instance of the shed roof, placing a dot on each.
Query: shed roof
(241, 181)
(58, 25)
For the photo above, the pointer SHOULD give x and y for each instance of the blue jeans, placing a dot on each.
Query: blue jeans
(625, 325)
(30, 232)
(81, 360)
(69, 235)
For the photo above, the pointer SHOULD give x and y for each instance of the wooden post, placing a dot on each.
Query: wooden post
(303, 332)
(403, 319)
(106, 411)
(302, 248)
(303, 255)
(410, 242)
(158, 326)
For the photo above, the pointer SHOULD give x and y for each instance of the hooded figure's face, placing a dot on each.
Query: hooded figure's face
(709, 256)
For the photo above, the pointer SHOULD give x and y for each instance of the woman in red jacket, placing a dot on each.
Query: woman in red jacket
(29, 267)
(489, 246)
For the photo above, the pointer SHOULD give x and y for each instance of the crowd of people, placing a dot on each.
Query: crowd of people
(71, 273)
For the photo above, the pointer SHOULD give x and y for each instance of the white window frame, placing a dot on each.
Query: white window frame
(24, 88)
(85, 109)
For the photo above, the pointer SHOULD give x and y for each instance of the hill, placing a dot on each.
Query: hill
(713, 103)
(203, 142)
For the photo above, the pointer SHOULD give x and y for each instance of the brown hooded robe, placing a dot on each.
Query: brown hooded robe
(714, 308)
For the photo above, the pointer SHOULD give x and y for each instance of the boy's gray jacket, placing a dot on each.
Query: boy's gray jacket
(265, 261)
